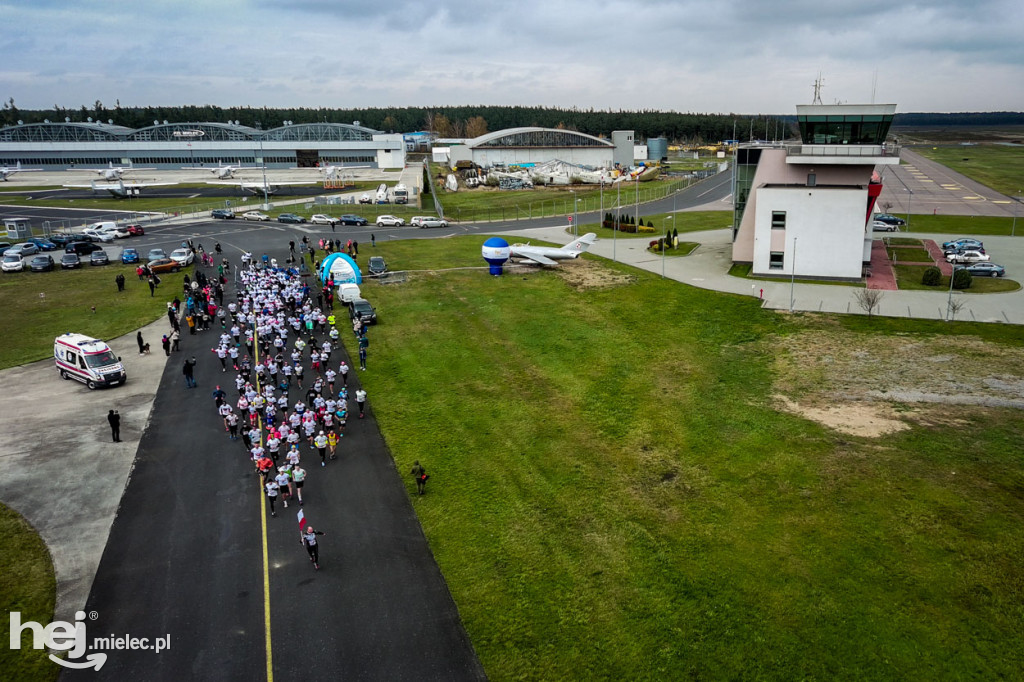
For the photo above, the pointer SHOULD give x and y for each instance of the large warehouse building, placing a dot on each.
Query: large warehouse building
(528, 146)
(165, 145)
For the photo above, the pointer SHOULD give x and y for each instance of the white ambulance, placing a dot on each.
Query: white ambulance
(88, 360)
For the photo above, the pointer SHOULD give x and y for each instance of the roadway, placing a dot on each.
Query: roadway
(185, 553)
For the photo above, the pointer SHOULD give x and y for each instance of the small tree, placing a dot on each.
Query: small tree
(932, 276)
(955, 306)
(887, 206)
(869, 299)
(962, 279)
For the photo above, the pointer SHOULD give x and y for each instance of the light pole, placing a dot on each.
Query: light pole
(910, 197)
(792, 276)
(574, 216)
(672, 218)
(618, 211)
(949, 301)
(1016, 204)
(636, 211)
(266, 201)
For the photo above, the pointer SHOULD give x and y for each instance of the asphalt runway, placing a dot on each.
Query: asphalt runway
(184, 557)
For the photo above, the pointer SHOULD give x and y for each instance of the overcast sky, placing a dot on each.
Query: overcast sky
(741, 56)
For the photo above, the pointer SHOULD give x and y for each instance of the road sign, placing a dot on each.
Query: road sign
(570, 219)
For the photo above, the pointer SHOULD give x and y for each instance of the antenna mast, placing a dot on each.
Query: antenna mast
(818, 83)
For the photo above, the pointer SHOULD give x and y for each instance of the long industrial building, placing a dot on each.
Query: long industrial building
(57, 146)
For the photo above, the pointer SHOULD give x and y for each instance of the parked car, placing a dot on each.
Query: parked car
(43, 243)
(890, 219)
(135, 230)
(255, 215)
(321, 219)
(130, 255)
(290, 218)
(99, 258)
(69, 261)
(41, 263)
(155, 254)
(983, 269)
(98, 236)
(116, 231)
(23, 249)
(362, 309)
(3, 247)
(349, 219)
(433, 222)
(222, 213)
(879, 226)
(184, 257)
(377, 265)
(963, 243)
(389, 221)
(12, 262)
(967, 257)
(61, 239)
(82, 249)
(416, 220)
(163, 265)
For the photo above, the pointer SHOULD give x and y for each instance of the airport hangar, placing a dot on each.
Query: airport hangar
(170, 146)
(529, 146)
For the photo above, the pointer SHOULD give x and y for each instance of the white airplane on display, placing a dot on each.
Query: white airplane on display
(259, 188)
(113, 172)
(120, 189)
(8, 171)
(225, 172)
(550, 255)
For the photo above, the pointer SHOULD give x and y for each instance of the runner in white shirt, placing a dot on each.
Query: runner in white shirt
(284, 484)
(272, 490)
(298, 477)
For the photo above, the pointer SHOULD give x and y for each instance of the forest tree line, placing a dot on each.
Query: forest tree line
(471, 121)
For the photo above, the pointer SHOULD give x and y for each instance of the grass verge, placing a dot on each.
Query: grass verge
(613, 494)
(910, 254)
(27, 585)
(1000, 167)
(40, 306)
(962, 225)
(743, 270)
(908, 278)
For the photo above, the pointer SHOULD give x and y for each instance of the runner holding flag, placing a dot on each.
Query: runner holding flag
(309, 541)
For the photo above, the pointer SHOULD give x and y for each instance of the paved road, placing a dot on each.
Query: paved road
(184, 558)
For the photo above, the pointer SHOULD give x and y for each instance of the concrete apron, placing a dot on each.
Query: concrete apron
(62, 471)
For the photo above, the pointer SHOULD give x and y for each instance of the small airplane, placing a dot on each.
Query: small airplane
(259, 188)
(226, 171)
(120, 189)
(8, 171)
(550, 255)
(113, 172)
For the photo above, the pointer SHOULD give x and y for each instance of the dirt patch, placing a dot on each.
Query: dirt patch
(587, 274)
(869, 420)
(838, 378)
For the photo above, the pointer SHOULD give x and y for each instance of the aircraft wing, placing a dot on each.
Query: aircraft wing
(532, 256)
(118, 185)
(247, 184)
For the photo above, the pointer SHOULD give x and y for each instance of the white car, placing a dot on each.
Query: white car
(182, 256)
(389, 221)
(967, 257)
(433, 222)
(12, 263)
(255, 215)
(321, 219)
(116, 232)
(99, 235)
(879, 226)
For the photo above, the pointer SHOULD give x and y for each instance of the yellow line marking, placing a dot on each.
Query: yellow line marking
(1000, 201)
(263, 523)
(969, 198)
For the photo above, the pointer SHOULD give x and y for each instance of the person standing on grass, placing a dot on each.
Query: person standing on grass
(420, 474)
(114, 419)
(272, 491)
(310, 543)
(362, 355)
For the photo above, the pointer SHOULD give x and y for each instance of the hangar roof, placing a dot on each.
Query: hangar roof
(536, 137)
(70, 131)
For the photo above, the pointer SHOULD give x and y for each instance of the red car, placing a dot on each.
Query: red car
(135, 230)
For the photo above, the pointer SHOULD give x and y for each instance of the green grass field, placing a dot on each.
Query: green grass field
(919, 255)
(614, 494)
(27, 585)
(967, 225)
(1000, 167)
(40, 306)
(743, 270)
(908, 278)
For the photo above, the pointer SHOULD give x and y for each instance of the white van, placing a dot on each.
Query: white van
(348, 292)
(88, 360)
